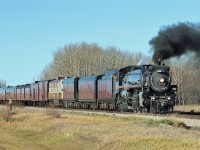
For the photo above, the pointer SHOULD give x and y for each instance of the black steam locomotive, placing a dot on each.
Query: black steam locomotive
(147, 87)
(133, 88)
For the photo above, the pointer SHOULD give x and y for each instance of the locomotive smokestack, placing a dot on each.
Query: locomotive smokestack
(176, 40)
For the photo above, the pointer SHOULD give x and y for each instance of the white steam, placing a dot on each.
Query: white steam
(142, 61)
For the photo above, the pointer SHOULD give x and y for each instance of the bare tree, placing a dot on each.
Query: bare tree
(83, 59)
(2, 83)
(186, 72)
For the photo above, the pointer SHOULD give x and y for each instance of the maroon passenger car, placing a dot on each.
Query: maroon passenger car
(87, 89)
(70, 89)
(70, 92)
(6, 93)
(105, 88)
(39, 92)
(23, 92)
(35, 91)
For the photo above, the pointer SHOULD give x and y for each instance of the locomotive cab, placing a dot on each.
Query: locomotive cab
(133, 78)
(131, 86)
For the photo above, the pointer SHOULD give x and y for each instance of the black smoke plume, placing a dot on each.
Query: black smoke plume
(176, 40)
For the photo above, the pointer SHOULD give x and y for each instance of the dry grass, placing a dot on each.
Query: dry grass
(52, 112)
(36, 130)
(188, 108)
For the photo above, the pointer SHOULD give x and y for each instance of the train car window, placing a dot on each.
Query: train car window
(134, 79)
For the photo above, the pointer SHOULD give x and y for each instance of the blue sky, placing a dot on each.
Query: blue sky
(31, 30)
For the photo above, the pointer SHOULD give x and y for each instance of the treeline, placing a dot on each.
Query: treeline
(83, 59)
(2, 83)
(186, 75)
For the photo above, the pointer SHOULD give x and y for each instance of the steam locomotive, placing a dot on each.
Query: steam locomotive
(147, 87)
(133, 88)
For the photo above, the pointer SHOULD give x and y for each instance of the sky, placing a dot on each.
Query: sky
(32, 30)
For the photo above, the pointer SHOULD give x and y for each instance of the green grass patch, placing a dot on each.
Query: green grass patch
(53, 139)
(162, 121)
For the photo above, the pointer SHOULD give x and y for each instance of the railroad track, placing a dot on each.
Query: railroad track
(191, 119)
(187, 114)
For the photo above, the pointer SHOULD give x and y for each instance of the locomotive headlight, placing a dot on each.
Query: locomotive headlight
(162, 80)
(168, 98)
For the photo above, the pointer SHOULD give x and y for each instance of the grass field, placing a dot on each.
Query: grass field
(52, 129)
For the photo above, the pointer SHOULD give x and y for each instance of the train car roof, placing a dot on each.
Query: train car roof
(122, 70)
(10, 87)
(111, 71)
(45, 80)
(24, 85)
(70, 78)
(2, 88)
(138, 71)
(55, 80)
(90, 77)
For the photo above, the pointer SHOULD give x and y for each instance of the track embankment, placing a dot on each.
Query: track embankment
(190, 120)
